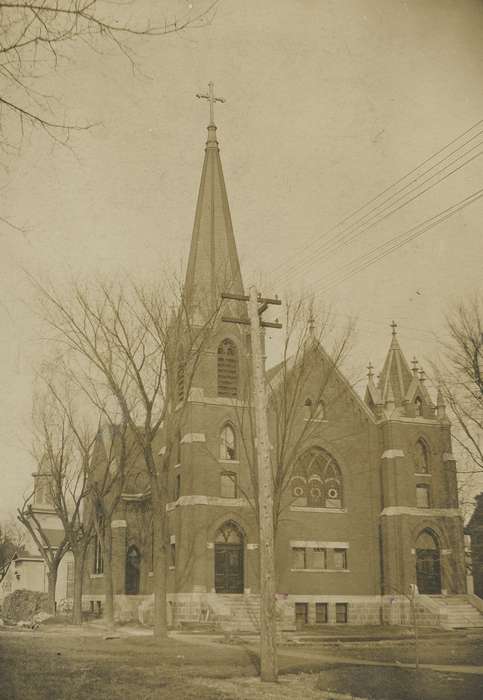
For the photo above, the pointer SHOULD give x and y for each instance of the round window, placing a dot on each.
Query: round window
(333, 493)
(298, 491)
(315, 492)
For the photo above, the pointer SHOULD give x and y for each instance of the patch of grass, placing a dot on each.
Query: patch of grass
(399, 684)
(58, 667)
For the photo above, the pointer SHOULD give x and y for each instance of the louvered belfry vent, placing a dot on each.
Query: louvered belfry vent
(227, 369)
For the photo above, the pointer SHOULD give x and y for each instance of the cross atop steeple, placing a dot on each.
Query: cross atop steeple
(394, 327)
(211, 99)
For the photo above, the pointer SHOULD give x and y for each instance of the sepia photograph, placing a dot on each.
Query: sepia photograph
(241, 349)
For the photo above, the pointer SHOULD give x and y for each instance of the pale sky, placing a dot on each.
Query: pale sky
(327, 104)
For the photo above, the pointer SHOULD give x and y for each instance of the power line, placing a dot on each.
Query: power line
(397, 182)
(402, 239)
(331, 246)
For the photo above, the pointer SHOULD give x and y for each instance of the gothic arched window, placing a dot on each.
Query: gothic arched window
(98, 553)
(227, 443)
(418, 407)
(421, 457)
(317, 480)
(227, 369)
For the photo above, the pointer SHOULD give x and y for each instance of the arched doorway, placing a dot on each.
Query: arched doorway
(133, 567)
(229, 559)
(428, 564)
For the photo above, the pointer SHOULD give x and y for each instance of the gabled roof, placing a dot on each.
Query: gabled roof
(213, 264)
(275, 374)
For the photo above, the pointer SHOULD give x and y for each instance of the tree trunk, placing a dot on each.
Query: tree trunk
(159, 570)
(51, 586)
(79, 559)
(108, 582)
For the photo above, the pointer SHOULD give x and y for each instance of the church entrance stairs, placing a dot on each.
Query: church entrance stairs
(454, 611)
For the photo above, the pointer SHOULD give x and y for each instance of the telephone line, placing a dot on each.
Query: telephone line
(414, 232)
(330, 247)
(397, 182)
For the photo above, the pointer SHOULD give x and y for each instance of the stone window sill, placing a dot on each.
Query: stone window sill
(229, 461)
(424, 475)
(311, 509)
(96, 576)
(322, 571)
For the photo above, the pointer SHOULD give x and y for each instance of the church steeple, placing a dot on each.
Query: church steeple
(213, 264)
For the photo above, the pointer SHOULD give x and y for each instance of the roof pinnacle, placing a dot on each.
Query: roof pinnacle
(370, 372)
(394, 327)
(414, 363)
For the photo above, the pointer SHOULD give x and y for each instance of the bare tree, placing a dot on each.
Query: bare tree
(12, 537)
(299, 388)
(36, 36)
(127, 341)
(460, 379)
(64, 440)
(53, 453)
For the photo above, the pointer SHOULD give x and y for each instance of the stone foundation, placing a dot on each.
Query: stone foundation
(241, 612)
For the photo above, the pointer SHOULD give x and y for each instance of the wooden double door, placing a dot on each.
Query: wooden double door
(229, 568)
(428, 571)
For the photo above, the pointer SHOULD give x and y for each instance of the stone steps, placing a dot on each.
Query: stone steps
(458, 612)
(238, 612)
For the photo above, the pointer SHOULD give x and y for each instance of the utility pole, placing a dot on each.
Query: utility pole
(268, 629)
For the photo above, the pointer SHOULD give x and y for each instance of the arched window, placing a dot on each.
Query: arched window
(421, 457)
(133, 567)
(314, 410)
(98, 554)
(428, 563)
(423, 496)
(299, 490)
(333, 486)
(178, 447)
(418, 407)
(229, 533)
(227, 369)
(228, 485)
(180, 375)
(317, 481)
(227, 443)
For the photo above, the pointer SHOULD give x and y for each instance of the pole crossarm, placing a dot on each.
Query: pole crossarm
(231, 319)
(270, 324)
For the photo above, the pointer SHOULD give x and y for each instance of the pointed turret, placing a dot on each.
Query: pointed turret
(213, 265)
(441, 406)
(396, 376)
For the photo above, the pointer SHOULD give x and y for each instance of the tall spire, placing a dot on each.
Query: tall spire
(213, 264)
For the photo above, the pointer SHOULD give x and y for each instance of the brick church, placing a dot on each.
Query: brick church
(372, 505)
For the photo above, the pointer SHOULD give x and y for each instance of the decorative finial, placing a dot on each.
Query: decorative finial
(414, 363)
(422, 375)
(211, 99)
(394, 326)
(370, 372)
(311, 323)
